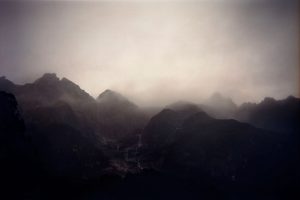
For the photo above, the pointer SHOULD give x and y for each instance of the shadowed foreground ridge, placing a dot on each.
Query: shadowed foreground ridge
(58, 142)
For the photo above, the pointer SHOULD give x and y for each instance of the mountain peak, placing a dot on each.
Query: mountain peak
(218, 100)
(268, 100)
(5, 84)
(110, 98)
(107, 92)
(4, 79)
(217, 95)
(184, 107)
(111, 95)
(47, 78)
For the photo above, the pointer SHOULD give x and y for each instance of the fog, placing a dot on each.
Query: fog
(156, 52)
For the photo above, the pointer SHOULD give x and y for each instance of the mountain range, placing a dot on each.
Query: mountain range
(54, 134)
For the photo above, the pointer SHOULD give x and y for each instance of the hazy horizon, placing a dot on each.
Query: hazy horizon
(156, 52)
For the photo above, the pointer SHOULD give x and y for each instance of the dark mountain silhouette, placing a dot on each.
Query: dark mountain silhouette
(162, 129)
(111, 115)
(49, 91)
(277, 115)
(163, 126)
(10, 119)
(222, 154)
(66, 146)
(50, 88)
(63, 123)
(6, 85)
(46, 90)
(51, 103)
(68, 143)
(75, 135)
(19, 165)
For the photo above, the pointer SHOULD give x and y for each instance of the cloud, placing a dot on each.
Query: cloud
(156, 52)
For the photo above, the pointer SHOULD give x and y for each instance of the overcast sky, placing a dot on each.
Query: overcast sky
(156, 51)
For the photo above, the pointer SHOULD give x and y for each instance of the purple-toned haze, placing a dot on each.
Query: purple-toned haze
(156, 52)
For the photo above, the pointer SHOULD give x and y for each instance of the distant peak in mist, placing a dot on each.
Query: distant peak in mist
(51, 78)
(182, 105)
(268, 100)
(217, 95)
(113, 97)
(217, 99)
(110, 94)
(48, 78)
(65, 87)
